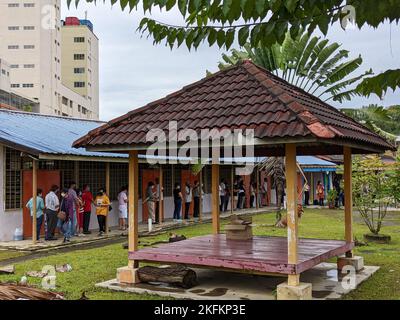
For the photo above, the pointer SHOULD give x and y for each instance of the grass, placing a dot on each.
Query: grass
(95, 265)
(9, 254)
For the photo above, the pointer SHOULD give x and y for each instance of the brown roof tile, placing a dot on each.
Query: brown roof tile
(243, 96)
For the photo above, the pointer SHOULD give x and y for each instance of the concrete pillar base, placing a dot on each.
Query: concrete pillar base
(128, 275)
(301, 292)
(356, 262)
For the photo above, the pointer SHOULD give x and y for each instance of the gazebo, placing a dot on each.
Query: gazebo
(287, 121)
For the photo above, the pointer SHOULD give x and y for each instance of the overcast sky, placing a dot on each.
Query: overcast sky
(134, 72)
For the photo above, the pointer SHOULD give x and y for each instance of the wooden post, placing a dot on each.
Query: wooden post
(215, 198)
(257, 187)
(133, 205)
(201, 194)
(34, 200)
(312, 188)
(161, 200)
(232, 183)
(107, 191)
(292, 219)
(348, 198)
(76, 173)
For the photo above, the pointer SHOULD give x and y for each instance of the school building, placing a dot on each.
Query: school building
(25, 137)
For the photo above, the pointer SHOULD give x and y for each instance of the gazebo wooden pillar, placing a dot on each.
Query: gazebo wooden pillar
(215, 198)
(34, 200)
(129, 274)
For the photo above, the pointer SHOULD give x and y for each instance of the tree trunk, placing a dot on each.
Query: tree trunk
(176, 275)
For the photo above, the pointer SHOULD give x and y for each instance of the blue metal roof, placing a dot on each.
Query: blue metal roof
(43, 134)
(313, 161)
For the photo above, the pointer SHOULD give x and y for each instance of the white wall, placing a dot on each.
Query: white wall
(9, 220)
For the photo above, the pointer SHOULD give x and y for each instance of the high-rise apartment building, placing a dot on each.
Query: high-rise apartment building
(31, 43)
(79, 58)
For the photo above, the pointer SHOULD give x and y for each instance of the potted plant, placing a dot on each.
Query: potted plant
(331, 197)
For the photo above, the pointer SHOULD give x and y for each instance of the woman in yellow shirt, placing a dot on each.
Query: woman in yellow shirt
(102, 203)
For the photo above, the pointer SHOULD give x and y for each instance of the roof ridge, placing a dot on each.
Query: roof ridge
(313, 97)
(314, 125)
(34, 114)
(127, 115)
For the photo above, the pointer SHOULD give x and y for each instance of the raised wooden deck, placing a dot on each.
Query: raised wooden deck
(259, 255)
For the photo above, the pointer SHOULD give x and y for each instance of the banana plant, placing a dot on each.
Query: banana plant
(309, 62)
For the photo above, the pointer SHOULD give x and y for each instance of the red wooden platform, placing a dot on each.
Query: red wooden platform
(259, 255)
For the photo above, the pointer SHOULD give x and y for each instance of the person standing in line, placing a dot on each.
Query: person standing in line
(52, 204)
(123, 207)
(320, 193)
(227, 196)
(221, 196)
(87, 199)
(306, 194)
(188, 199)
(65, 225)
(235, 194)
(80, 211)
(241, 195)
(177, 202)
(196, 199)
(102, 206)
(39, 211)
(252, 194)
(73, 204)
(150, 200)
(159, 199)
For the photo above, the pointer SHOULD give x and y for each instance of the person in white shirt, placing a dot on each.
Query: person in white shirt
(222, 188)
(52, 204)
(123, 207)
(188, 198)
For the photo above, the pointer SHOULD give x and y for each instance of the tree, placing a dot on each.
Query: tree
(371, 190)
(315, 65)
(221, 22)
(384, 121)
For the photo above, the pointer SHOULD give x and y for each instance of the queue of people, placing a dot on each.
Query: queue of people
(70, 210)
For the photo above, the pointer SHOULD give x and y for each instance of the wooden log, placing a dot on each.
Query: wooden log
(180, 276)
(7, 269)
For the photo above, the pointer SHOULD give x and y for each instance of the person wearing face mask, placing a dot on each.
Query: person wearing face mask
(177, 202)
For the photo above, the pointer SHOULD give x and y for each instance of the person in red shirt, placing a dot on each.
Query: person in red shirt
(87, 199)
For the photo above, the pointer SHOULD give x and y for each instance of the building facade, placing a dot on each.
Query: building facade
(30, 34)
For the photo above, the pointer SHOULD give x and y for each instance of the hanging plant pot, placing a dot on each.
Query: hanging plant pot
(377, 238)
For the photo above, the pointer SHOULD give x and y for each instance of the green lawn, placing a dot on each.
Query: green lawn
(95, 265)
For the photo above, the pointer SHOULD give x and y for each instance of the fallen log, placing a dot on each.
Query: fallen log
(180, 276)
(7, 269)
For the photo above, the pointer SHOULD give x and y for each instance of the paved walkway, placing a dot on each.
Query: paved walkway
(27, 246)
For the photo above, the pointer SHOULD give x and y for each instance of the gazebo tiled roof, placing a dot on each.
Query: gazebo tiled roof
(242, 96)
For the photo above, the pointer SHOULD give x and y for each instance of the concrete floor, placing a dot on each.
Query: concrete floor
(27, 246)
(326, 284)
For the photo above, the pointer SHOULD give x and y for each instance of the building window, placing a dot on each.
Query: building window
(29, 46)
(79, 39)
(27, 85)
(3, 71)
(79, 56)
(13, 28)
(29, 5)
(118, 178)
(14, 85)
(29, 28)
(70, 104)
(13, 179)
(13, 5)
(64, 101)
(14, 66)
(14, 46)
(84, 110)
(167, 181)
(79, 84)
(92, 173)
(29, 66)
(79, 70)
